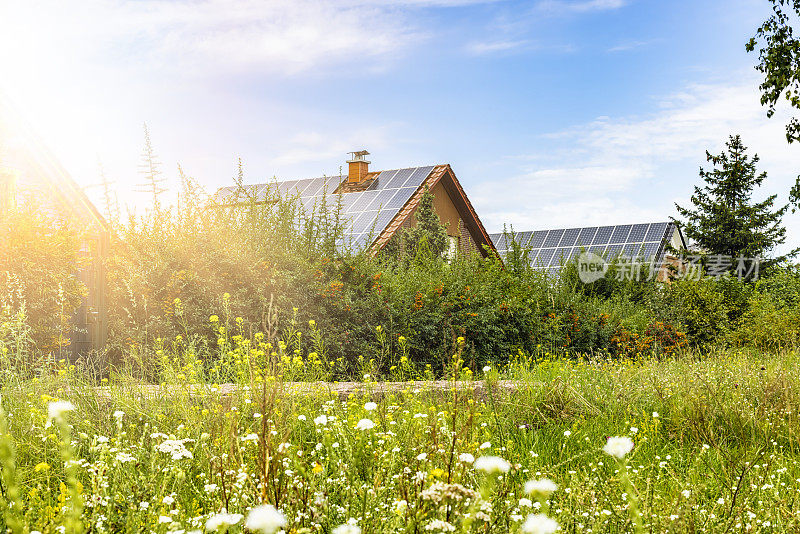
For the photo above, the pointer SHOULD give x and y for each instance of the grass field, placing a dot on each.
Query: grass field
(716, 448)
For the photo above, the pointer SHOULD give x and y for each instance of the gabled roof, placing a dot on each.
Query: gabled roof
(550, 248)
(43, 171)
(374, 209)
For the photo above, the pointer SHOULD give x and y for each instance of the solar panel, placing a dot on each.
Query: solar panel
(620, 234)
(537, 239)
(399, 199)
(603, 235)
(544, 257)
(365, 214)
(363, 201)
(650, 250)
(523, 238)
(395, 179)
(382, 197)
(547, 249)
(586, 236)
(613, 251)
(553, 237)
(656, 232)
(560, 255)
(418, 176)
(637, 233)
(570, 237)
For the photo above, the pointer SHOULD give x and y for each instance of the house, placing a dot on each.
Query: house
(376, 204)
(30, 173)
(651, 243)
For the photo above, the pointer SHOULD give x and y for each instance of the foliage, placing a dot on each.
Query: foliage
(723, 220)
(779, 62)
(38, 261)
(427, 238)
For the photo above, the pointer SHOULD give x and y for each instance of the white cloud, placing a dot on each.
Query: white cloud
(630, 45)
(492, 47)
(329, 147)
(582, 6)
(276, 36)
(615, 170)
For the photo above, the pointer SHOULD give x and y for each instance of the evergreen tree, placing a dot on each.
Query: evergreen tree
(724, 220)
(429, 233)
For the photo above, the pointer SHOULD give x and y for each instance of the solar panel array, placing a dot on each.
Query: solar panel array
(549, 249)
(365, 213)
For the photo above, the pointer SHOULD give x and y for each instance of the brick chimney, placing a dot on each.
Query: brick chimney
(359, 167)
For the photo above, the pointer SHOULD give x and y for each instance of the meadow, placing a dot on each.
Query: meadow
(701, 442)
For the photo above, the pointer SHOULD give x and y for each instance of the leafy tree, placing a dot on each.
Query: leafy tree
(724, 219)
(779, 62)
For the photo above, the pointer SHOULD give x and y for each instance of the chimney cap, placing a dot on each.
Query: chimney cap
(358, 155)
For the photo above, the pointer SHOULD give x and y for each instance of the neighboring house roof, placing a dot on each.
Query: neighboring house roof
(373, 209)
(41, 173)
(550, 248)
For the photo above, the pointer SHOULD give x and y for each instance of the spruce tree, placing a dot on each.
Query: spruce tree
(428, 232)
(724, 219)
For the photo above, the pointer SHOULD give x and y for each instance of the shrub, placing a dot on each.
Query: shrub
(38, 264)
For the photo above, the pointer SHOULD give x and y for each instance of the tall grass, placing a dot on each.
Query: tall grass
(715, 445)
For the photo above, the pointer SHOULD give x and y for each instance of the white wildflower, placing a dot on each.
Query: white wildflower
(618, 446)
(365, 424)
(422, 456)
(485, 445)
(57, 409)
(124, 457)
(370, 406)
(223, 520)
(437, 525)
(543, 487)
(175, 448)
(466, 457)
(491, 465)
(321, 420)
(265, 519)
(539, 524)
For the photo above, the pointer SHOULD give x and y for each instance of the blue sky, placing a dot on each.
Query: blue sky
(552, 112)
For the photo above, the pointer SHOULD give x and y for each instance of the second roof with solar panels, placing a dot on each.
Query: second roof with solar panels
(549, 249)
(374, 205)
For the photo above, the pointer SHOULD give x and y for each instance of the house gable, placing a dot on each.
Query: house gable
(378, 204)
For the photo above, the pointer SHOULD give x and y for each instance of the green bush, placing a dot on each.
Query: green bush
(38, 264)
